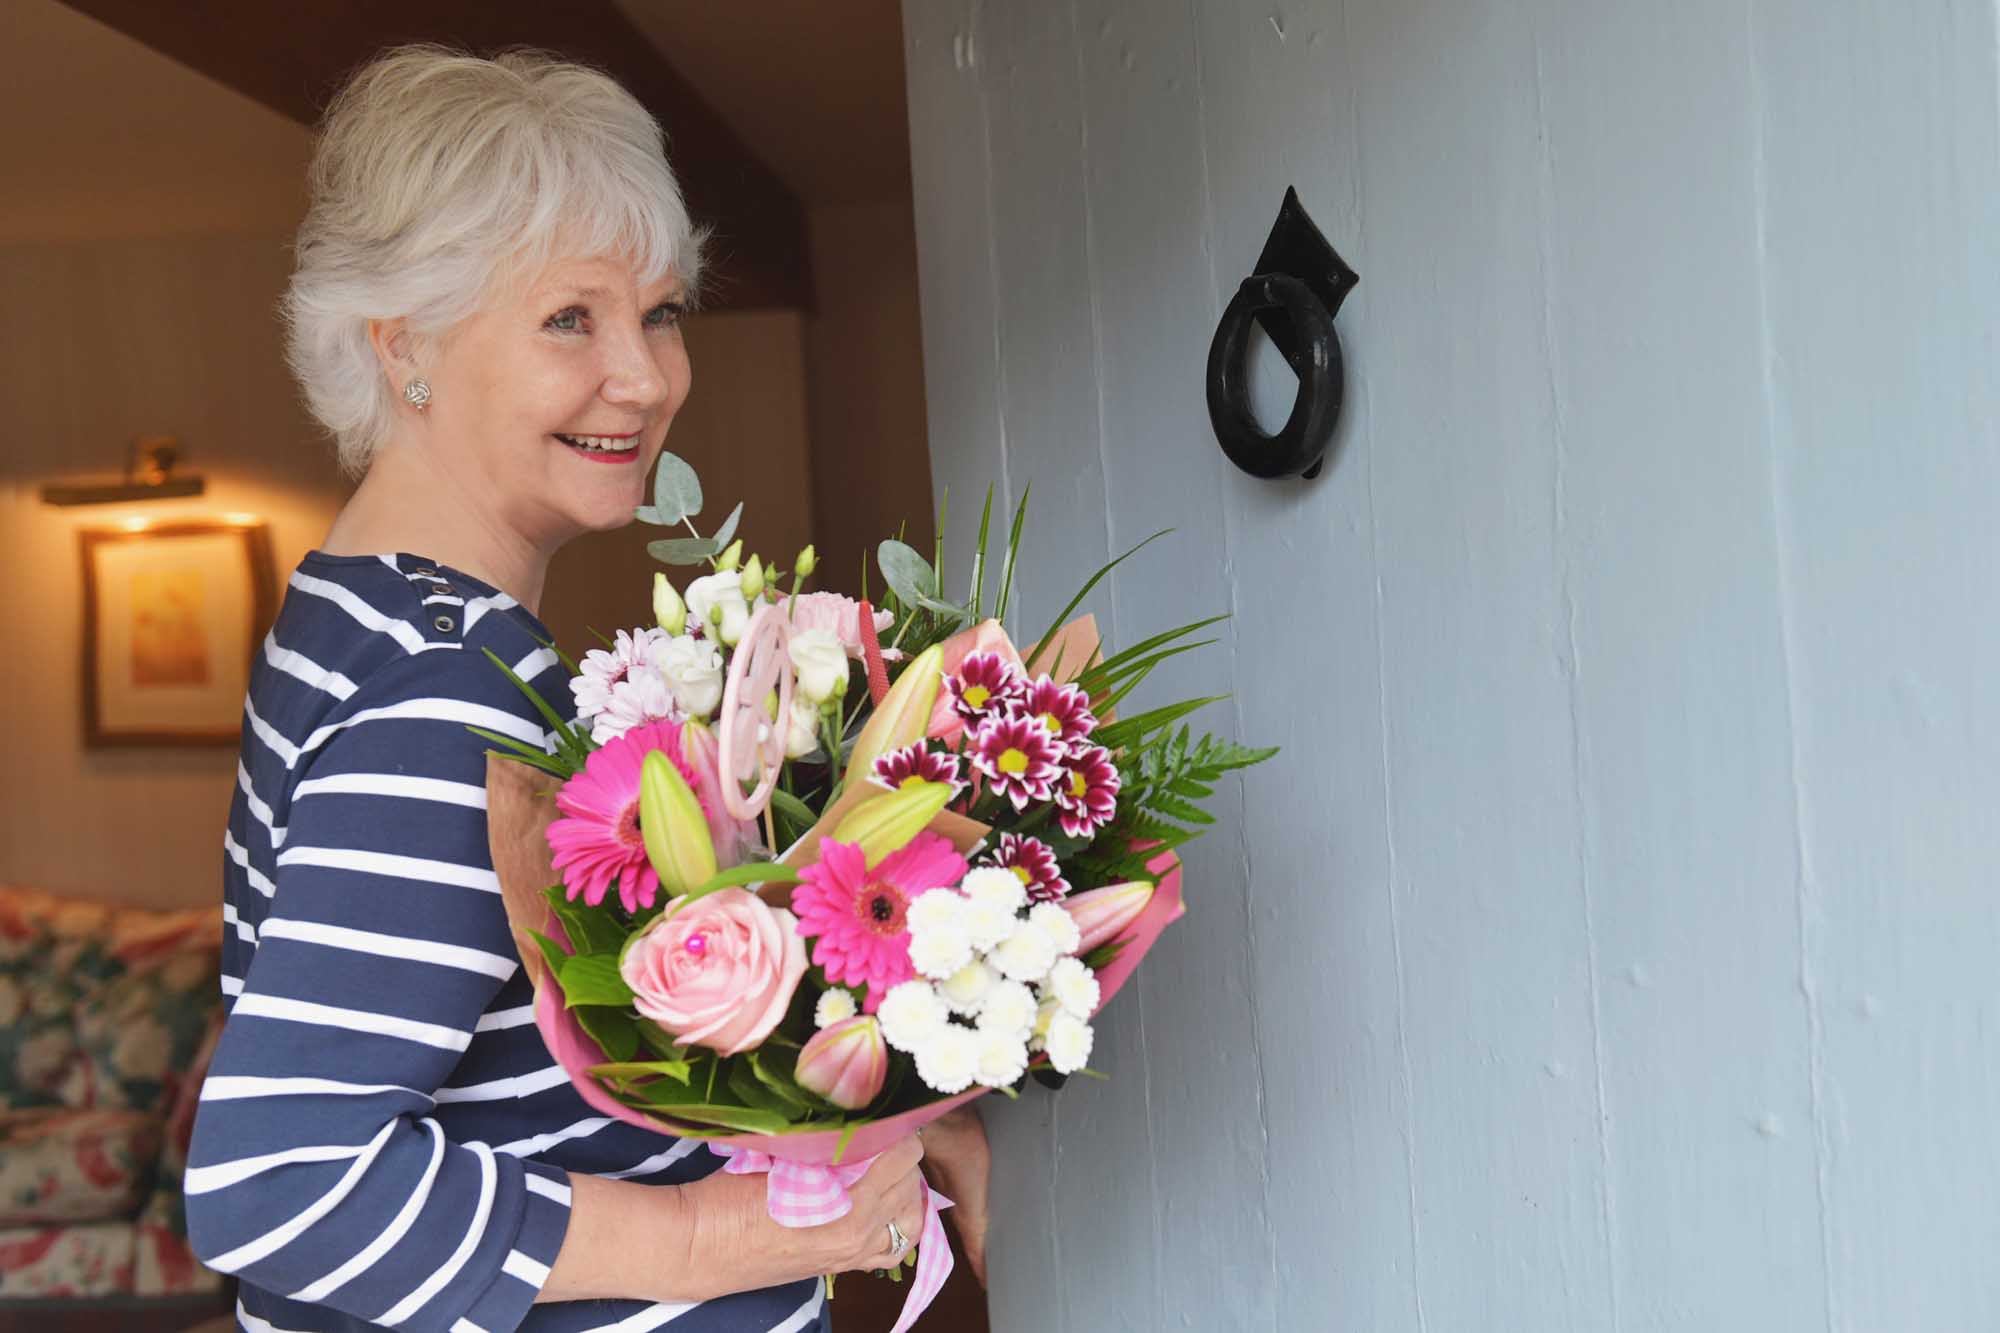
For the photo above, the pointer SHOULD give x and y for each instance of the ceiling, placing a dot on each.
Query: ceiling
(813, 89)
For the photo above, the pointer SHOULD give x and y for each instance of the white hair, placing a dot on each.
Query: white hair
(438, 175)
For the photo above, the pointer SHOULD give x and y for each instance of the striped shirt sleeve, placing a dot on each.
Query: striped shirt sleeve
(317, 1168)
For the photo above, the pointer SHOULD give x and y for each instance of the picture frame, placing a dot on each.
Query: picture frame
(173, 614)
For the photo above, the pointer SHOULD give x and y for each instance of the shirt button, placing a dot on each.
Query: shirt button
(445, 624)
(425, 573)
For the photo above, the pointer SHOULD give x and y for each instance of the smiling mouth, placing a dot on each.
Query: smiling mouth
(602, 444)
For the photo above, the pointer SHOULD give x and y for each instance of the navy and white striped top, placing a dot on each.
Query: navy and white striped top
(382, 1138)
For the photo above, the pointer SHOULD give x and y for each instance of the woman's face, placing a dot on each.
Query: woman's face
(552, 405)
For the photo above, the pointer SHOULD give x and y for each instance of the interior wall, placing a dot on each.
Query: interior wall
(865, 357)
(1611, 947)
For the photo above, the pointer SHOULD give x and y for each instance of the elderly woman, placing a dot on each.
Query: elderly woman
(486, 316)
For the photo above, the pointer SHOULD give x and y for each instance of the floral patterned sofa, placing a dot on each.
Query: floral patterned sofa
(106, 1018)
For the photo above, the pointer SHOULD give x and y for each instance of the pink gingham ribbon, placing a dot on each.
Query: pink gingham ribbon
(811, 1196)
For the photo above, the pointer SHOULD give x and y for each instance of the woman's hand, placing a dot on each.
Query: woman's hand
(735, 1245)
(958, 1162)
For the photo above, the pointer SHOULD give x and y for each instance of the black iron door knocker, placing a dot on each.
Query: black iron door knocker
(1293, 296)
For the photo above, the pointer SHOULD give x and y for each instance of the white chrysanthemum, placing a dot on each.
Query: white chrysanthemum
(948, 1060)
(996, 885)
(936, 909)
(1010, 1008)
(986, 922)
(1074, 987)
(634, 702)
(835, 1006)
(911, 1013)
(1058, 925)
(603, 669)
(966, 989)
(939, 953)
(1002, 1059)
(1026, 954)
(1069, 1043)
(1038, 1038)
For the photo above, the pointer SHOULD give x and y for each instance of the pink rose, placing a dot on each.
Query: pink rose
(718, 971)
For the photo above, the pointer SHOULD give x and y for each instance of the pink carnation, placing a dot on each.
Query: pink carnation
(837, 615)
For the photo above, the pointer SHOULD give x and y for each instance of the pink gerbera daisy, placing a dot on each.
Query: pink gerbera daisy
(915, 762)
(1034, 864)
(1063, 709)
(1018, 758)
(1087, 793)
(855, 913)
(985, 685)
(597, 841)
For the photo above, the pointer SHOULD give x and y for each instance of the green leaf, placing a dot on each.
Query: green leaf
(632, 1069)
(1077, 600)
(1127, 730)
(792, 808)
(541, 759)
(659, 1040)
(907, 572)
(1179, 809)
(590, 929)
(676, 490)
(592, 978)
(612, 1028)
(978, 594)
(753, 872)
(567, 738)
(1013, 547)
(551, 952)
(727, 532)
(683, 550)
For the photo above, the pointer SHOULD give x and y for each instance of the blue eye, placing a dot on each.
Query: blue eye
(566, 321)
(665, 315)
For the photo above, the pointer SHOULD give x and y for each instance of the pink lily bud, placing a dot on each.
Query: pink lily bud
(845, 1063)
(1105, 914)
(733, 837)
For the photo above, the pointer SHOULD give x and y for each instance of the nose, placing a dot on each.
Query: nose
(633, 375)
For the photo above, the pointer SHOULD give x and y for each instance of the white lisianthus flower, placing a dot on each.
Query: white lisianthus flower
(910, 1014)
(803, 735)
(835, 1006)
(1010, 1010)
(966, 989)
(720, 592)
(1002, 1059)
(1074, 987)
(693, 671)
(1069, 1043)
(1058, 925)
(821, 664)
(1026, 954)
(948, 1060)
(635, 701)
(996, 885)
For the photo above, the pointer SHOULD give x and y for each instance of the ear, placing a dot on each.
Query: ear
(395, 348)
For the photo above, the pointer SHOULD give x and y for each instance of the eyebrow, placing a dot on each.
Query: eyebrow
(592, 293)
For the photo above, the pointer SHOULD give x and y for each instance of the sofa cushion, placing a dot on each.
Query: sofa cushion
(58, 1165)
(101, 1005)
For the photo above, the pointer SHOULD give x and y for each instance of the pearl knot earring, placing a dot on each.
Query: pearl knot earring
(418, 392)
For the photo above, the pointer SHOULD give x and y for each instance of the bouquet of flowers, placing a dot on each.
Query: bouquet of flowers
(799, 915)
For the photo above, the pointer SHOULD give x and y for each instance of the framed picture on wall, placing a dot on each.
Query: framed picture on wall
(172, 616)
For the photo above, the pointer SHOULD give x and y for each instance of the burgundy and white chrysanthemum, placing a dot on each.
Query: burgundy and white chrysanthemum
(1063, 709)
(917, 763)
(1018, 758)
(1087, 795)
(985, 685)
(1034, 864)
